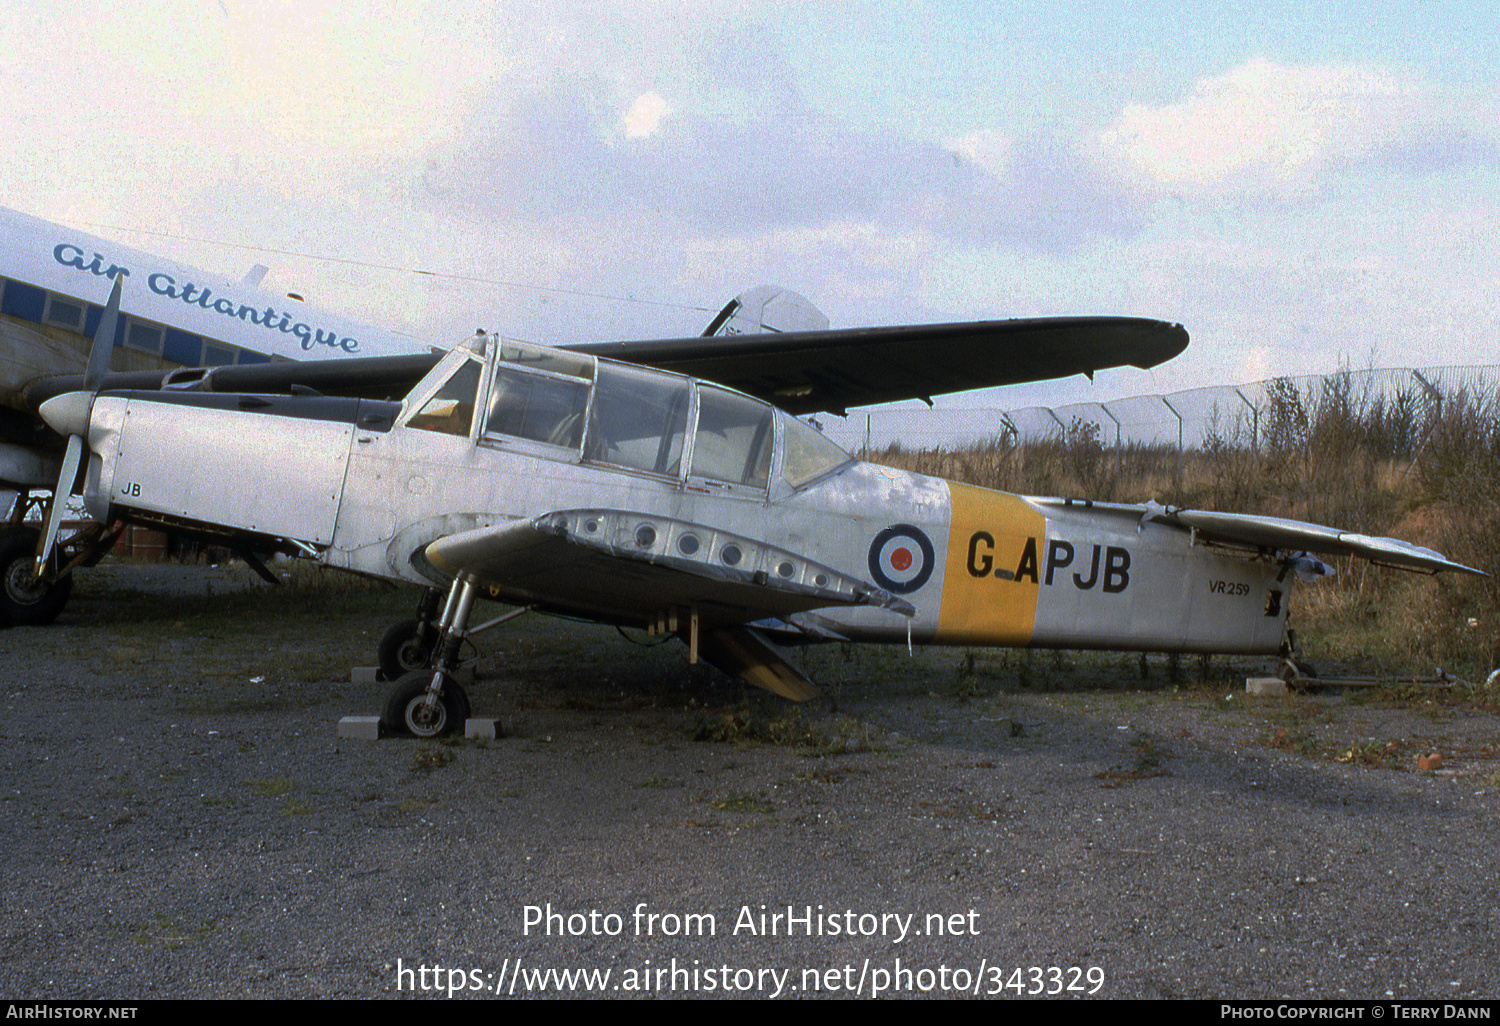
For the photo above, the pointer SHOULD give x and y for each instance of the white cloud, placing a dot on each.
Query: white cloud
(645, 114)
(1266, 128)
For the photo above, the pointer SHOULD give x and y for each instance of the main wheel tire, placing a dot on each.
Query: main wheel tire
(406, 711)
(25, 601)
(403, 650)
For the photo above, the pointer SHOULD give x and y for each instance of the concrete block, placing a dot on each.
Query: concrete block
(361, 728)
(482, 726)
(1265, 686)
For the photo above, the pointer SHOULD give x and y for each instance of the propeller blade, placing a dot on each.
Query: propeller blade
(104, 339)
(65, 479)
(71, 417)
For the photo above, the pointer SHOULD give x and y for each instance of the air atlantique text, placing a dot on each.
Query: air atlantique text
(164, 284)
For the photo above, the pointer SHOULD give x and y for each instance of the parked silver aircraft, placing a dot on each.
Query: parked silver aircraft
(588, 483)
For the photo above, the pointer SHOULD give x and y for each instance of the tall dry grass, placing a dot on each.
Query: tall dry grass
(1422, 468)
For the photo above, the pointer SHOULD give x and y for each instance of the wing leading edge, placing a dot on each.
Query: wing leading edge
(626, 567)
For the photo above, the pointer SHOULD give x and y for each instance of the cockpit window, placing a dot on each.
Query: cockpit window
(451, 410)
(539, 408)
(733, 440)
(638, 420)
(539, 394)
(809, 453)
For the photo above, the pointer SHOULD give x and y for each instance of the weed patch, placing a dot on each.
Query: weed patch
(428, 759)
(164, 932)
(657, 783)
(1149, 754)
(1299, 742)
(1380, 754)
(753, 725)
(744, 804)
(270, 787)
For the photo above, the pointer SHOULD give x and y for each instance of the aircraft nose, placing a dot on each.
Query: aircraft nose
(68, 414)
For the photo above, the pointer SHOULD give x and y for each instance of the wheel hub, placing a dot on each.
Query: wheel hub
(425, 719)
(413, 654)
(21, 586)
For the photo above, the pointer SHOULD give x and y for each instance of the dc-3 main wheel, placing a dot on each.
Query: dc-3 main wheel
(407, 713)
(403, 650)
(25, 601)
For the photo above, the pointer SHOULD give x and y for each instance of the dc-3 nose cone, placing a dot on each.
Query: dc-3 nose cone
(68, 414)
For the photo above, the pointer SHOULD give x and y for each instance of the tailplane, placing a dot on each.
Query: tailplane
(766, 308)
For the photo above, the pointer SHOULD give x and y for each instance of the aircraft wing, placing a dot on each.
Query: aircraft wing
(625, 567)
(816, 371)
(801, 372)
(367, 377)
(1258, 532)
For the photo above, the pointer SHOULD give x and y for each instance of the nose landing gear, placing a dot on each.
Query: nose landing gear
(426, 700)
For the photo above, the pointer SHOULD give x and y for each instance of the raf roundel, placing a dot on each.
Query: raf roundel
(901, 559)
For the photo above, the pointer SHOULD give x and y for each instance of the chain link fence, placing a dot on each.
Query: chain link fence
(1241, 415)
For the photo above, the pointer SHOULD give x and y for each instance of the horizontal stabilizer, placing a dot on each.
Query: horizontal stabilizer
(1297, 536)
(766, 308)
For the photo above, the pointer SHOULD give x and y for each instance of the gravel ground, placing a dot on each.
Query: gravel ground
(180, 820)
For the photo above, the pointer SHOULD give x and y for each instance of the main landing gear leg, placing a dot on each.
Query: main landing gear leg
(429, 702)
(1293, 670)
(409, 644)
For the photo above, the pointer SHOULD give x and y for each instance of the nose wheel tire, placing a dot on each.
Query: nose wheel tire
(407, 711)
(25, 601)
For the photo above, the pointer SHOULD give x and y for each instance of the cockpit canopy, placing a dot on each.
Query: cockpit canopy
(571, 407)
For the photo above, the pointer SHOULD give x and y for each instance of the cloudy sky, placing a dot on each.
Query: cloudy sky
(1304, 185)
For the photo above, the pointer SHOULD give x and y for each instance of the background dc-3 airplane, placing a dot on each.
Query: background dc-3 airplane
(593, 482)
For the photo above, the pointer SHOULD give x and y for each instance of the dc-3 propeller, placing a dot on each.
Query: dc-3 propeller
(68, 415)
